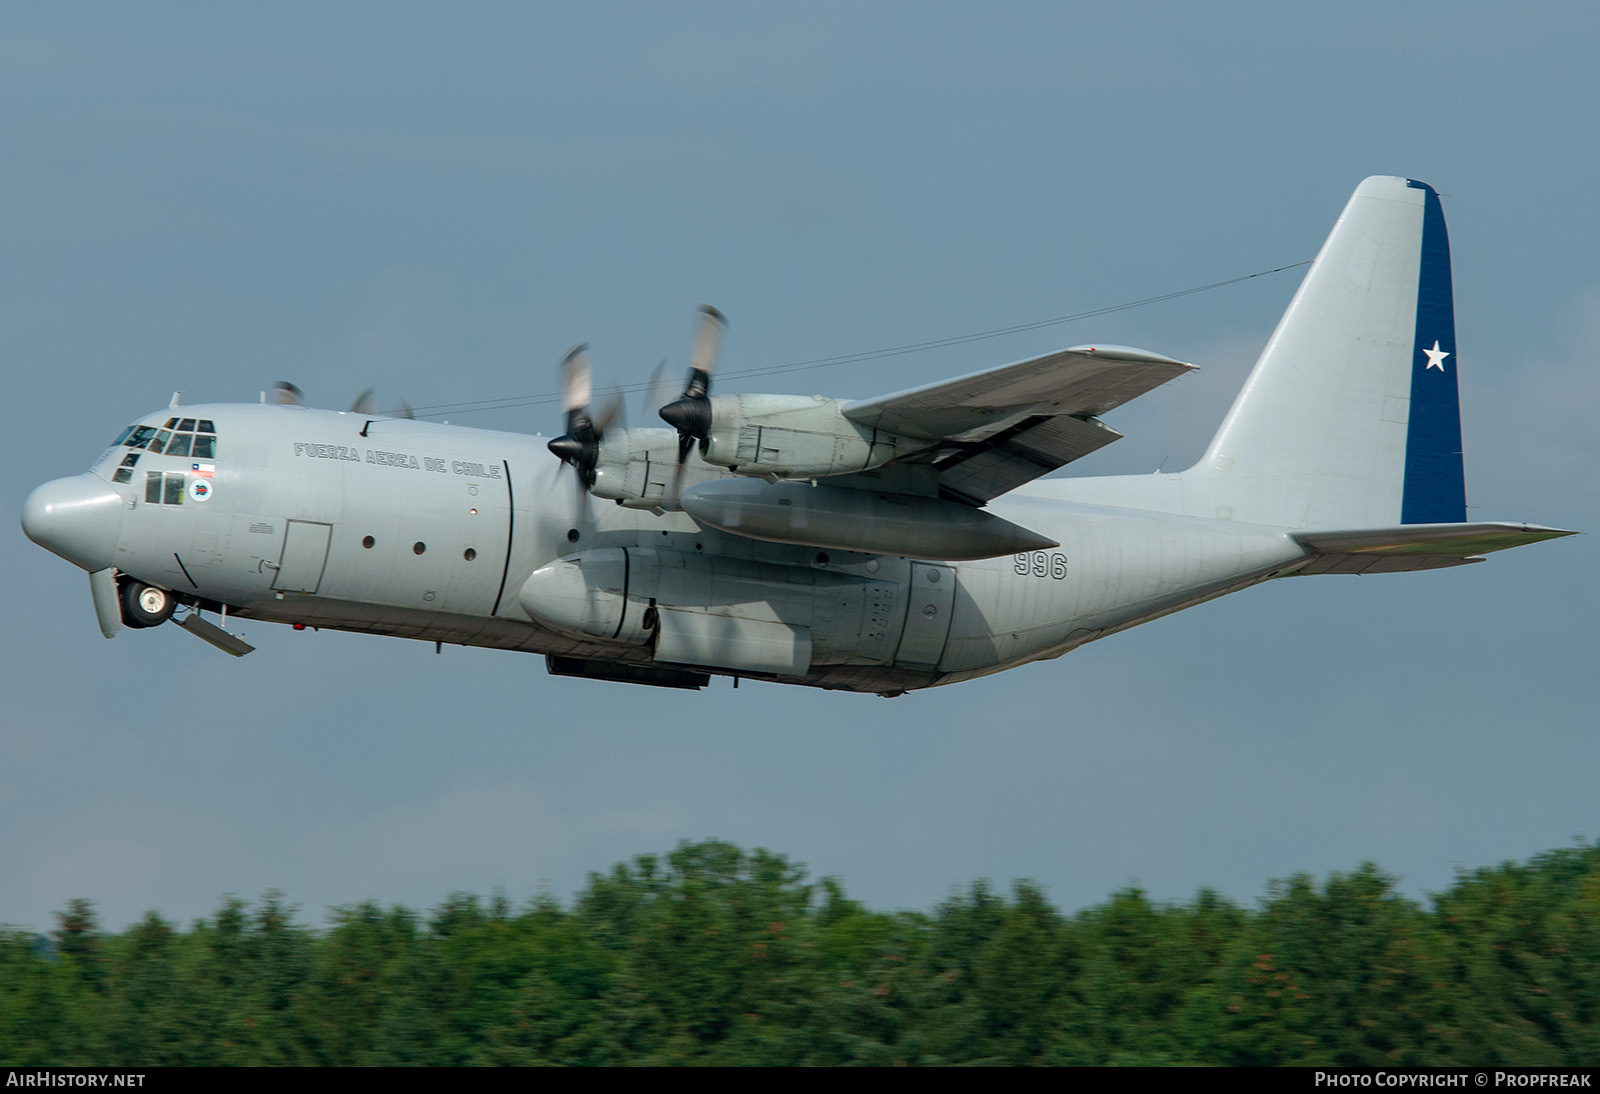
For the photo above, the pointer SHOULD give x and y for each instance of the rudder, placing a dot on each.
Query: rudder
(1435, 480)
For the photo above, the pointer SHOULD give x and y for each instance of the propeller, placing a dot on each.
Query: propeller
(690, 413)
(579, 446)
(286, 394)
(367, 403)
(658, 393)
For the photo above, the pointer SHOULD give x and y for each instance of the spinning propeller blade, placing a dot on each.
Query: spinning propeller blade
(579, 446)
(690, 413)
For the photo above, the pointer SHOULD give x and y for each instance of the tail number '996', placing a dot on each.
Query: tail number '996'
(1051, 564)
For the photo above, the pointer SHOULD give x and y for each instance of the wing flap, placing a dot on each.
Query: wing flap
(1039, 446)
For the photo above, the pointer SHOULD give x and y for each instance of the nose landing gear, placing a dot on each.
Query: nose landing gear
(145, 605)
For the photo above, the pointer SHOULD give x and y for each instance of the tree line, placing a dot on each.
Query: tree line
(711, 954)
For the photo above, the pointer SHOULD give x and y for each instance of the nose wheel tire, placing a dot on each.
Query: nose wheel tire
(145, 605)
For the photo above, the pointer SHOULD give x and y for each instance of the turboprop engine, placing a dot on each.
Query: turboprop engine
(770, 436)
(794, 437)
(773, 437)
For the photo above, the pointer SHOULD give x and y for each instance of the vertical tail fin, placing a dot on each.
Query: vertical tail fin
(1351, 418)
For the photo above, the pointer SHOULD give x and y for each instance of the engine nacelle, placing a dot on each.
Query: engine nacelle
(637, 468)
(590, 595)
(795, 437)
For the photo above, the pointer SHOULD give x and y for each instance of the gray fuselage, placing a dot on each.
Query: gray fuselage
(430, 531)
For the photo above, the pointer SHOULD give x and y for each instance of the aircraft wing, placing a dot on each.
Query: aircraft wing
(1009, 425)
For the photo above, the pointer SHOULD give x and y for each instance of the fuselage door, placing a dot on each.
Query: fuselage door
(305, 554)
(930, 598)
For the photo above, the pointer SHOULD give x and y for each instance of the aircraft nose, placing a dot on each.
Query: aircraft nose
(78, 518)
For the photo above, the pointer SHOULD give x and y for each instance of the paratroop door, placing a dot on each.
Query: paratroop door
(305, 553)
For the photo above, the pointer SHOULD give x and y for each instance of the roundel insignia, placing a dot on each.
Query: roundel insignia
(200, 490)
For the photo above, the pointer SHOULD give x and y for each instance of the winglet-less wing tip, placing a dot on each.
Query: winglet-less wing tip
(1128, 353)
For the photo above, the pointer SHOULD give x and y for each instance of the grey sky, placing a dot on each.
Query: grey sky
(440, 200)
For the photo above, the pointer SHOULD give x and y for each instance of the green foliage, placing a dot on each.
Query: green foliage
(710, 954)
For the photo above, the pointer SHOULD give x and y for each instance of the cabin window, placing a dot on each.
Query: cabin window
(367, 542)
(418, 547)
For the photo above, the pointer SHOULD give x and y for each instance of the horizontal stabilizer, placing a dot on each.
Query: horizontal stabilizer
(1414, 546)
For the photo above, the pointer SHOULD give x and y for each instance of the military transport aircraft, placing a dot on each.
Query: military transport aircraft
(880, 545)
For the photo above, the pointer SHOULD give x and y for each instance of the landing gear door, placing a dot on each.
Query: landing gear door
(305, 554)
(930, 598)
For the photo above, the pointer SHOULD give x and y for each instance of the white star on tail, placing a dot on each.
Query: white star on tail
(1436, 356)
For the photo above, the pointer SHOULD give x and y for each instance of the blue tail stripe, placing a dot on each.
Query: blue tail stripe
(1435, 486)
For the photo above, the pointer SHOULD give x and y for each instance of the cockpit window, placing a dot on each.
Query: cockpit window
(175, 439)
(124, 435)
